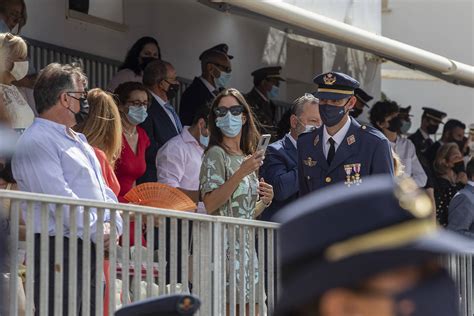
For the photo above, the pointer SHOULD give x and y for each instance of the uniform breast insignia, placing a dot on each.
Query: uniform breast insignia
(351, 140)
(329, 79)
(352, 174)
(316, 140)
(309, 162)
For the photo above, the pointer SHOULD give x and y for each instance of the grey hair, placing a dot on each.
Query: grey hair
(299, 103)
(54, 80)
(155, 72)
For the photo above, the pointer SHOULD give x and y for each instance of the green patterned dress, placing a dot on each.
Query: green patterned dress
(217, 167)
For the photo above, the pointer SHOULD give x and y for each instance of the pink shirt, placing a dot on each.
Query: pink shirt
(178, 163)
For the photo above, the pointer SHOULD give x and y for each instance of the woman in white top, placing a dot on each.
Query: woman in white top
(14, 67)
(144, 50)
(384, 115)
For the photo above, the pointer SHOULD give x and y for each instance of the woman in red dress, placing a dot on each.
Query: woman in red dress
(133, 103)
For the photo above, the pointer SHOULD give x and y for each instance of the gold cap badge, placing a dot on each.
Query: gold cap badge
(329, 79)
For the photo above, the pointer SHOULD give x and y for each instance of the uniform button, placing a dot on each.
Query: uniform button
(308, 177)
(328, 179)
(364, 127)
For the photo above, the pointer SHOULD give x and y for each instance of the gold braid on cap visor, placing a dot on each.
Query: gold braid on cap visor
(385, 238)
(348, 92)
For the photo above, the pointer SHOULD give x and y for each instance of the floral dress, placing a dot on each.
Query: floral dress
(216, 169)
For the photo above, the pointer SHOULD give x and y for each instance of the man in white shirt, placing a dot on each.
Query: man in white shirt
(52, 159)
(179, 161)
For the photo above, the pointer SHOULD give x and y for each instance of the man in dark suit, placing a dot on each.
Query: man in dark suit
(280, 167)
(453, 132)
(216, 72)
(341, 150)
(430, 121)
(266, 83)
(461, 207)
(162, 122)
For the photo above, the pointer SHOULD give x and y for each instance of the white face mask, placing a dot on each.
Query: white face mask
(20, 69)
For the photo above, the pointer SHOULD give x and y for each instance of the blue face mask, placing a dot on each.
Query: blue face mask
(203, 140)
(137, 114)
(331, 114)
(272, 94)
(230, 125)
(223, 79)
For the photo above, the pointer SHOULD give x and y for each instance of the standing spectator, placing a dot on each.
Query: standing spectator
(14, 67)
(280, 168)
(430, 121)
(453, 131)
(266, 85)
(384, 115)
(52, 159)
(103, 130)
(361, 103)
(461, 208)
(228, 180)
(216, 72)
(405, 116)
(12, 16)
(450, 178)
(133, 101)
(341, 150)
(178, 162)
(162, 122)
(145, 50)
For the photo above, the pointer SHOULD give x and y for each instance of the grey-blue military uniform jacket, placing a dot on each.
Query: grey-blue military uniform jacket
(365, 151)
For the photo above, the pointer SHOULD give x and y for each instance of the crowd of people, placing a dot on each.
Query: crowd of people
(99, 144)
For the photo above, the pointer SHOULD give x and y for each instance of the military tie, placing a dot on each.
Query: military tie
(332, 151)
(170, 108)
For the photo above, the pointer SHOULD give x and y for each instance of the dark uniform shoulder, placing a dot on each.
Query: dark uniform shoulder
(372, 132)
(308, 137)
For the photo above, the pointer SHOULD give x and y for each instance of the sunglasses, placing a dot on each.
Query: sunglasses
(222, 67)
(234, 110)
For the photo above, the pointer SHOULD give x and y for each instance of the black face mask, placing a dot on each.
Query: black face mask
(395, 124)
(173, 89)
(459, 167)
(432, 129)
(83, 110)
(355, 112)
(146, 61)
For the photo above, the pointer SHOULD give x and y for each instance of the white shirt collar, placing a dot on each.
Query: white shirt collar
(471, 183)
(424, 134)
(208, 85)
(158, 99)
(293, 141)
(261, 94)
(339, 136)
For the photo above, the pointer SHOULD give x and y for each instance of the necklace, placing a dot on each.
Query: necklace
(130, 134)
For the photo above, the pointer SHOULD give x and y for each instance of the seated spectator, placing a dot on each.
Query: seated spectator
(228, 178)
(13, 16)
(145, 50)
(461, 208)
(384, 116)
(450, 178)
(162, 122)
(133, 102)
(280, 167)
(14, 67)
(453, 131)
(103, 130)
(216, 72)
(178, 162)
(52, 159)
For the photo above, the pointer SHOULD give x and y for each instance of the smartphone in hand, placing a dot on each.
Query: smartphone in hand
(263, 142)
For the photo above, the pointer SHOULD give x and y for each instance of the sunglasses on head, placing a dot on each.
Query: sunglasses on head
(234, 110)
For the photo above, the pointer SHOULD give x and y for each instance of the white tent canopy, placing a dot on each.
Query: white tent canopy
(284, 15)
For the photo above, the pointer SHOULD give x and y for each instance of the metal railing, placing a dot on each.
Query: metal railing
(196, 253)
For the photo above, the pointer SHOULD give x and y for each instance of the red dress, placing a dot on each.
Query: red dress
(129, 167)
(107, 171)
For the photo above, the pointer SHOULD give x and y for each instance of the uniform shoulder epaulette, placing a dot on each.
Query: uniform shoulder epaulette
(372, 131)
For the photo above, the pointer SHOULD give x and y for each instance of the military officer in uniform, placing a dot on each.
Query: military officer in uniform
(341, 150)
(169, 305)
(430, 121)
(266, 87)
(361, 103)
(371, 251)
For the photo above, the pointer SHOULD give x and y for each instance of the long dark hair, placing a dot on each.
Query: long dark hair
(131, 61)
(250, 134)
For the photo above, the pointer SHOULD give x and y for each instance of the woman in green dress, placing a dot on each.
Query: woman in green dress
(228, 179)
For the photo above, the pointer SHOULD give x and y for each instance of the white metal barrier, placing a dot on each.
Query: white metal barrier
(196, 253)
